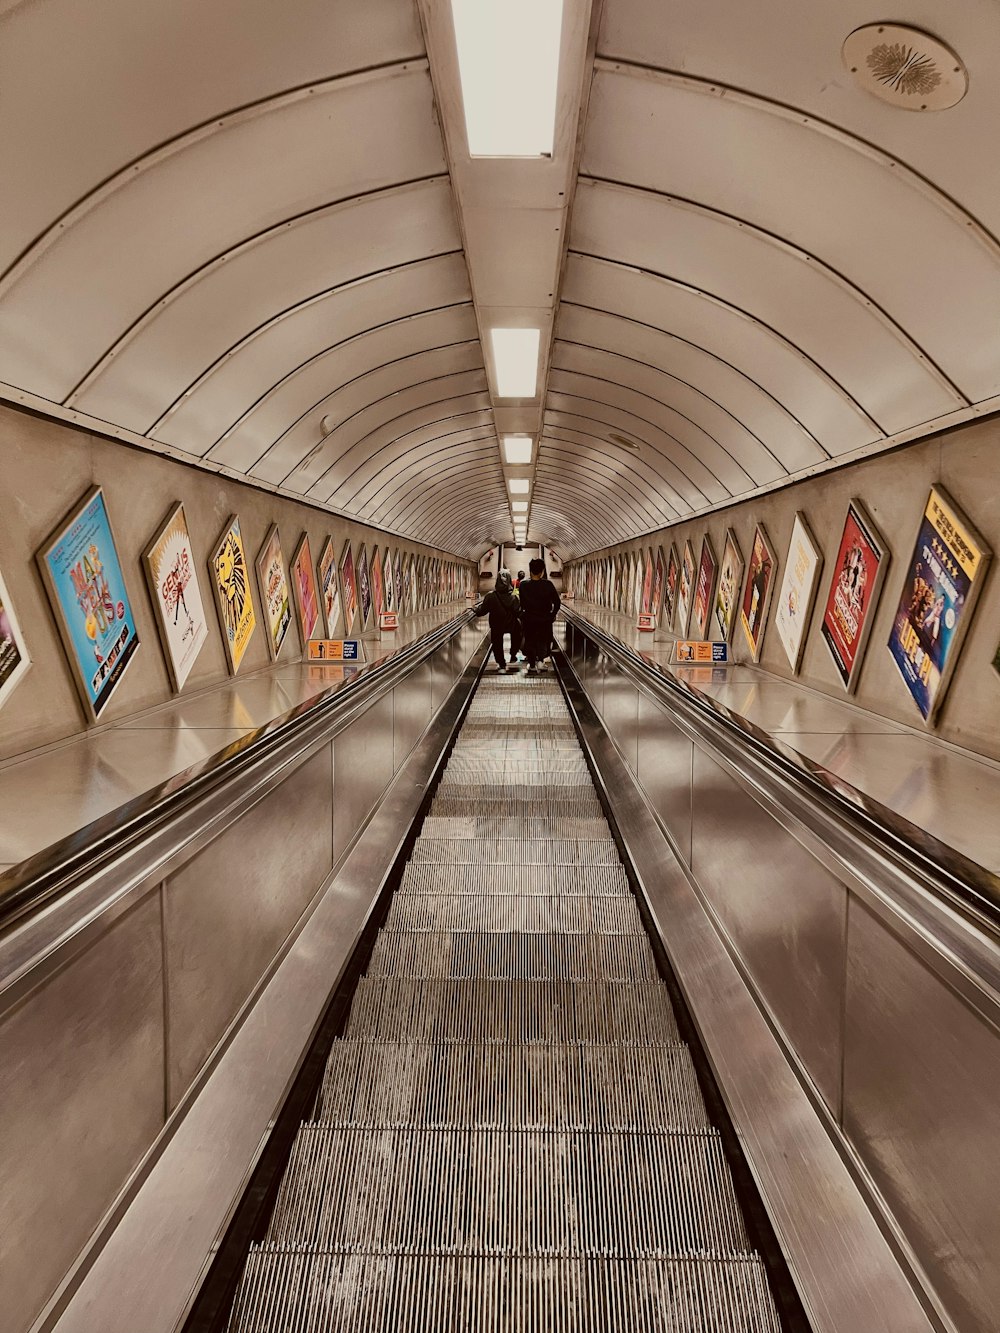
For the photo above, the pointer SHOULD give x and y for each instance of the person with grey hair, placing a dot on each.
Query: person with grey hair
(504, 610)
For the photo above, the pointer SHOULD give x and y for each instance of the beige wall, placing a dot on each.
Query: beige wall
(894, 488)
(45, 467)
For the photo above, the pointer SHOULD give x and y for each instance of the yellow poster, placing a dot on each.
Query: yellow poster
(231, 583)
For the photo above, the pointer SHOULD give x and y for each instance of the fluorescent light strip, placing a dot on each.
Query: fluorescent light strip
(517, 449)
(519, 507)
(508, 60)
(518, 485)
(515, 357)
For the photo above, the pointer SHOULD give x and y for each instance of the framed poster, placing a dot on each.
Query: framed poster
(942, 584)
(273, 584)
(86, 586)
(230, 577)
(638, 582)
(364, 587)
(172, 576)
(378, 589)
(304, 589)
(704, 588)
(685, 589)
(656, 591)
(14, 659)
(398, 579)
(727, 594)
(329, 594)
(757, 592)
(798, 590)
(411, 584)
(389, 598)
(673, 577)
(348, 588)
(858, 575)
(647, 584)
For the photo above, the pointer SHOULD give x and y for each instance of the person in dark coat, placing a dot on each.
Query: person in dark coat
(504, 611)
(539, 604)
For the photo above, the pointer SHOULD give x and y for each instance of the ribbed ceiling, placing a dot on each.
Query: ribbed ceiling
(225, 223)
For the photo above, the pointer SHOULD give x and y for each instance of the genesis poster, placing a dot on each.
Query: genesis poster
(798, 591)
(727, 594)
(857, 580)
(757, 593)
(349, 588)
(364, 586)
(86, 586)
(685, 589)
(304, 588)
(939, 592)
(329, 594)
(173, 584)
(231, 584)
(14, 659)
(273, 583)
(704, 588)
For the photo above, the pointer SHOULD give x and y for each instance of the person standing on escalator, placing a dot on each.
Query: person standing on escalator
(504, 611)
(539, 605)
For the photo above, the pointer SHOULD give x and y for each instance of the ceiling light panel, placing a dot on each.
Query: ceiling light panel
(517, 449)
(508, 60)
(519, 485)
(515, 357)
(519, 507)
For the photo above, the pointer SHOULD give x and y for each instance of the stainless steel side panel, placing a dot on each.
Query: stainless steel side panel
(664, 769)
(363, 766)
(229, 909)
(81, 1098)
(621, 716)
(410, 712)
(922, 1104)
(784, 913)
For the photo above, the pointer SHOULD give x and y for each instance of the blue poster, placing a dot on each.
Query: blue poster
(88, 590)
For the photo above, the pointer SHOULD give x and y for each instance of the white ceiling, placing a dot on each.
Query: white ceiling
(224, 223)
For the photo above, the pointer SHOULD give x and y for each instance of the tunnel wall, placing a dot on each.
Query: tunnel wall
(894, 487)
(45, 467)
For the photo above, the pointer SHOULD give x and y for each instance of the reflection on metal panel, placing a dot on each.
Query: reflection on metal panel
(362, 770)
(664, 769)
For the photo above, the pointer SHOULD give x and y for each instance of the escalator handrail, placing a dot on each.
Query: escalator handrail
(948, 873)
(57, 869)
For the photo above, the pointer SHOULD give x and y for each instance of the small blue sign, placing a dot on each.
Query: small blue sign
(720, 652)
(351, 650)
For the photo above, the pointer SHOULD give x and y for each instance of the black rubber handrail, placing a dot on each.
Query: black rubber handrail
(939, 865)
(58, 868)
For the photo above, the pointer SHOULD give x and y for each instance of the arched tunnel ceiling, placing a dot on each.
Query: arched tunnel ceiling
(227, 223)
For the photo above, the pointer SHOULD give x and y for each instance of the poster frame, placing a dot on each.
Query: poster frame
(756, 645)
(348, 588)
(304, 547)
(327, 561)
(364, 587)
(8, 686)
(378, 586)
(234, 663)
(92, 708)
(274, 636)
(176, 669)
(707, 556)
(810, 587)
(670, 587)
(685, 605)
(870, 533)
(725, 625)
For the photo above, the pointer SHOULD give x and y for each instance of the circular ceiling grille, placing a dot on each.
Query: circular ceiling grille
(905, 67)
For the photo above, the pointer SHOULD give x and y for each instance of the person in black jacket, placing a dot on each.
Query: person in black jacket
(503, 609)
(539, 605)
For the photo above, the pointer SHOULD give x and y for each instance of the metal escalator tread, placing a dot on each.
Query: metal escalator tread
(510, 1134)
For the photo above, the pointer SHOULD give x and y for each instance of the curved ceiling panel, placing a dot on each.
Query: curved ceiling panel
(388, 500)
(574, 456)
(252, 389)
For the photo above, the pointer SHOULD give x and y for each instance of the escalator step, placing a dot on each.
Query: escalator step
(520, 851)
(499, 913)
(520, 956)
(569, 881)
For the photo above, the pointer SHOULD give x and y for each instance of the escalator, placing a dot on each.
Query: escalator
(510, 1133)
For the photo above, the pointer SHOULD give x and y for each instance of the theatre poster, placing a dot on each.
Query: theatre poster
(757, 592)
(704, 588)
(14, 659)
(685, 589)
(364, 587)
(329, 593)
(172, 576)
(798, 590)
(670, 588)
(727, 594)
(858, 575)
(86, 586)
(943, 581)
(230, 576)
(656, 595)
(348, 588)
(273, 584)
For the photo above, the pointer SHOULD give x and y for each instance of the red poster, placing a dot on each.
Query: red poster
(853, 592)
(704, 588)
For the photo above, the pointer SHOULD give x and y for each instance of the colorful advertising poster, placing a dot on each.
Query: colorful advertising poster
(389, 598)
(398, 579)
(727, 594)
(638, 581)
(304, 589)
(173, 585)
(378, 590)
(348, 588)
(411, 575)
(940, 590)
(670, 588)
(704, 588)
(86, 586)
(273, 584)
(798, 591)
(656, 592)
(685, 589)
(230, 577)
(364, 587)
(857, 580)
(757, 592)
(14, 659)
(647, 583)
(329, 593)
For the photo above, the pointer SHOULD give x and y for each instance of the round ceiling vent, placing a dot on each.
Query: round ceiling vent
(905, 67)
